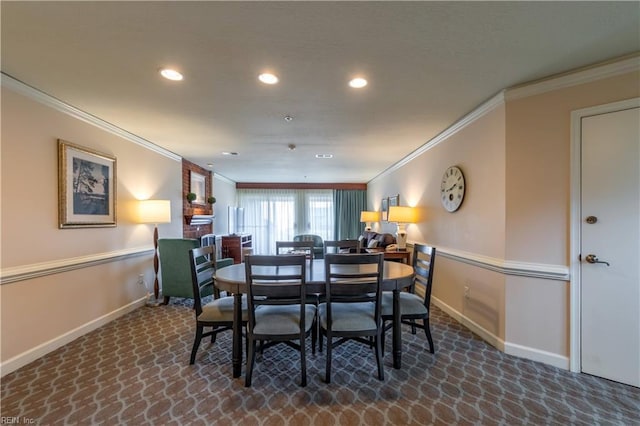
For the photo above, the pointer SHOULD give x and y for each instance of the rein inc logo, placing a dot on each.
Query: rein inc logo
(17, 420)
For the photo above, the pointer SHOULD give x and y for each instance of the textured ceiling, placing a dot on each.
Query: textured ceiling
(428, 64)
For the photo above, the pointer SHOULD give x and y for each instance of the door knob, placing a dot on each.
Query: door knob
(592, 258)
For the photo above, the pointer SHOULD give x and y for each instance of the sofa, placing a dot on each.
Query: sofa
(372, 239)
(175, 269)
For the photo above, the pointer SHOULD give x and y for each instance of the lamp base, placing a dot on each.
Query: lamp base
(401, 237)
(152, 301)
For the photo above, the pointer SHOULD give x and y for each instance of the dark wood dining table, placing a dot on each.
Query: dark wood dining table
(397, 276)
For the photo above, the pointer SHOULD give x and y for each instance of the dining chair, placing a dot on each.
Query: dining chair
(308, 247)
(341, 246)
(414, 303)
(352, 311)
(217, 314)
(278, 312)
(207, 240)
(317, 241)
(295, 247)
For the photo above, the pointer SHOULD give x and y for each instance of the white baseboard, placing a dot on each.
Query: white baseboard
(486, 335)
(533, 354)
(39, 351)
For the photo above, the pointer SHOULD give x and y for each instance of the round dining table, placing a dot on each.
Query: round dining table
(396, 277)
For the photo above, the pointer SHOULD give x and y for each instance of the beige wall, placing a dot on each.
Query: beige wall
(538, 165)
(515, 215)
(225, 191)
(538, 204)
(477, 227)
(36, 312)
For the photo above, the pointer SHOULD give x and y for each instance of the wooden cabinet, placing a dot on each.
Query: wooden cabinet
(235, 246)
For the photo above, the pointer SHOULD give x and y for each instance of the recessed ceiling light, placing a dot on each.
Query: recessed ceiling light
(209, 164)
(170, 74)
(229, 153)
(324, 155)
(358, 83)
(267, 78)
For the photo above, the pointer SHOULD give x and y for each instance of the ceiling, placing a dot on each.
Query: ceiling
(428, 64)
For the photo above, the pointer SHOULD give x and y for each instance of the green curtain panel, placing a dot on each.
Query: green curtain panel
(348, 204)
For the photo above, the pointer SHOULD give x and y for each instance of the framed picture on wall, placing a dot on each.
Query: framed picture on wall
(86, 187)
(197, 186)
(394, 201)
(384, 209)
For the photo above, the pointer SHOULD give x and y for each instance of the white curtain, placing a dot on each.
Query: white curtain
(272, 215)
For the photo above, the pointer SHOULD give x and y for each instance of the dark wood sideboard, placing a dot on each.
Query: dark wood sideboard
(233, 246)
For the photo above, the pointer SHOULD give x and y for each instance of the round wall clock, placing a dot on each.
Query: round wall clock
(452, 189)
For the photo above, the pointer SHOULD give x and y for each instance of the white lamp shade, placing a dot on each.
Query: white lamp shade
(366, 216)
(402, 214)
(155, 211)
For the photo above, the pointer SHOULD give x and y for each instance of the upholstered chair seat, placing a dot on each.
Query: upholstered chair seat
(282, 319)
(410, 304)
(222, 310)
(349, 316)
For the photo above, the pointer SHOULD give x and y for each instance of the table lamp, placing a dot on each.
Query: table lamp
(155, 211)
(368, 217)
(402, 216)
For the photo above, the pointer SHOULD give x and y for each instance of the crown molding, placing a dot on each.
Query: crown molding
(224, 179)
(574, 78)
(58, 105)
(486, 107)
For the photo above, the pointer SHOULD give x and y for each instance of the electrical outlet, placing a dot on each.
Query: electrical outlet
(466, 292)
(141, 279)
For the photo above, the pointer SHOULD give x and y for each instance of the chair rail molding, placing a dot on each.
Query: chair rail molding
(507, 267)
(35, 270)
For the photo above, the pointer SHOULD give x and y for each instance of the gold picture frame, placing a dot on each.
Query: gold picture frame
(86, 187)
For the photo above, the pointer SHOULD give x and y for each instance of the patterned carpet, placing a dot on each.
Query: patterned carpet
(135, 371)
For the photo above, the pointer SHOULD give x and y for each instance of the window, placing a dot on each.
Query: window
(278, 215)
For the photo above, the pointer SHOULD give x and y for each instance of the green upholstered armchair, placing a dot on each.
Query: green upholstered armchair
(318, 244)
(175, 270)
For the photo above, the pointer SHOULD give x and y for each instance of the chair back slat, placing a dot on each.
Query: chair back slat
(350, 275)
(338, 246)
(207, 240)
(424, 258)
(268, 285)
(203, 269)
(295, 247)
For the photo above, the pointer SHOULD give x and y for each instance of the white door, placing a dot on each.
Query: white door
(610, 232)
